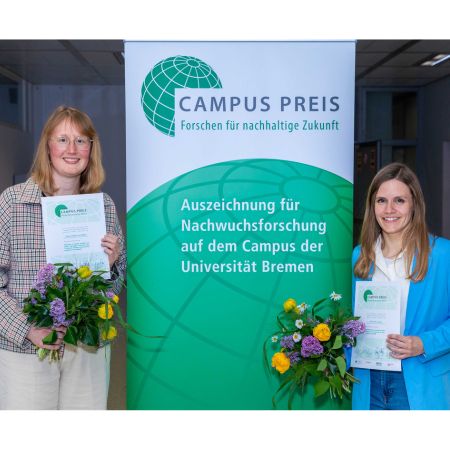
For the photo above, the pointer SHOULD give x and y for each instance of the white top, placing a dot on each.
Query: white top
(388, 269)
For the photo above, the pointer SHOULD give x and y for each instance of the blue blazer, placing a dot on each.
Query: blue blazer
(427, 377)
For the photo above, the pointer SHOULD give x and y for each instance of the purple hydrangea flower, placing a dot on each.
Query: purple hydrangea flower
(311, 346)
(46, 273)
(287, 342)
(57, 307)
(58, 312)
(40, 287)
(60, 284)
(294, 357)
(33, 301)
(109, 294)
(44, 278)
(66, 323)
(353, 328)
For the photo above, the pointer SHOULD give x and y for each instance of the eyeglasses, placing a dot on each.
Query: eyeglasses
(81, 142)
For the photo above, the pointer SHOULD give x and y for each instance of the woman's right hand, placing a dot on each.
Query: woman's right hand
(35, 335)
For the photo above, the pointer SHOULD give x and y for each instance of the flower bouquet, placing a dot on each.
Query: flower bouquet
(312, 348)
(79, 299)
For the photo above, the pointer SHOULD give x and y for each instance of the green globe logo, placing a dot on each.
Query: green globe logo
(158, 88)
(366, 294)
(59, 209)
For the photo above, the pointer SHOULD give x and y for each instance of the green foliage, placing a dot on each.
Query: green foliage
(71, 336)
(50, 338)
(340, 362)
(337, 343)
(321, 387)
(89, 335)
(322, 365)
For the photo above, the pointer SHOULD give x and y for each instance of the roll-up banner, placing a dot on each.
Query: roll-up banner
(239, 196)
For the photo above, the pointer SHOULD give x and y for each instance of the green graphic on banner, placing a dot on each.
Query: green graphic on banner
(158, 89)
(213, 254)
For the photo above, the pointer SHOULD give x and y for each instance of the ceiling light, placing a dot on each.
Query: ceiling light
(435, 60)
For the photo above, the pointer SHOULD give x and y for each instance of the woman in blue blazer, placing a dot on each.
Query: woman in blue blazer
(395, 246)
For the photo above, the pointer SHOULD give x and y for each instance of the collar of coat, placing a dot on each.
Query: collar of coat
(30, 192)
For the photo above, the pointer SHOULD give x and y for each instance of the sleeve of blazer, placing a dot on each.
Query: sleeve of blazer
(13, 322)
(437, 342)
(118, 269)
(355, 256)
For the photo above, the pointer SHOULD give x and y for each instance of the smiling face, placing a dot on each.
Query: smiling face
(67, 162)
(393, 207)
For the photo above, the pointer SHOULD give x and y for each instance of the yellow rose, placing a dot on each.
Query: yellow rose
(110, 335)
(102, 312)
(115, 298)
(322, 332)
(289, 304)
(84, 272)
(281, 362)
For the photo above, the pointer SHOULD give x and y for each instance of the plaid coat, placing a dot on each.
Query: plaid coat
(22, 254)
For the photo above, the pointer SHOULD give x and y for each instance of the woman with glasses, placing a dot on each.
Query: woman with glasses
(396, 247)
(67, 162)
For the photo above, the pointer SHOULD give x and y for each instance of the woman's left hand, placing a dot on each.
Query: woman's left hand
(402, 347)
(111, 245)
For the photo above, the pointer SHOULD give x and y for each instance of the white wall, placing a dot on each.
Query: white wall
(16, 153)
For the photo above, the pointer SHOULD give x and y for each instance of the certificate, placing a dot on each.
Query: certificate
(378, 305)
(73, 228)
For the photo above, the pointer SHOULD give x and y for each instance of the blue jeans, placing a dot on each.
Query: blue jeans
(388, 390)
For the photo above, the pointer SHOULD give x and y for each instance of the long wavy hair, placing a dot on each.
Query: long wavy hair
(415, 236)
(93, 176)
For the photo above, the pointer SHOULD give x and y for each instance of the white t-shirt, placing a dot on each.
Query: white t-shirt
(387, 269)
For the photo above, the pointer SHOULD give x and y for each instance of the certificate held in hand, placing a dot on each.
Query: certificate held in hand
(73, 228)
(378, 305)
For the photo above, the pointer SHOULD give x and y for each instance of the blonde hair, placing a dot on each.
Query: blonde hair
(93, 176)
(415, 237)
